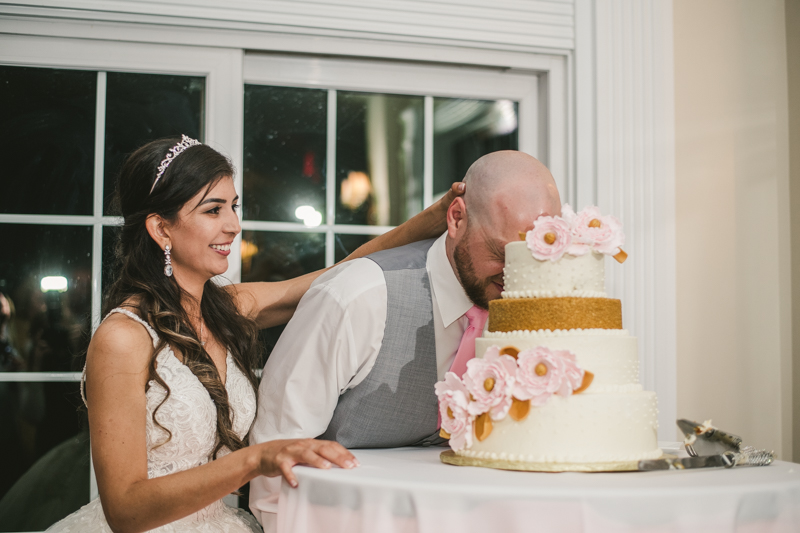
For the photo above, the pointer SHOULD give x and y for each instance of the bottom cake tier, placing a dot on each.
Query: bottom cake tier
(583, 429)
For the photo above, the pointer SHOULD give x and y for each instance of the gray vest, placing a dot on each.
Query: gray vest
(396, 404)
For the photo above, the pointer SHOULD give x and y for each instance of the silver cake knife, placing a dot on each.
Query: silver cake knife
(707, 461)
(748, 456)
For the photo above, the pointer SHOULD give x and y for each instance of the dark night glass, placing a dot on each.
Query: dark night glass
(345, 244)
(379, 158)
(50, 330)
(284, 152)
(110, 262)
(44, 454)
(47, 124)
(465, 130)
(144, 107)
(278, 256)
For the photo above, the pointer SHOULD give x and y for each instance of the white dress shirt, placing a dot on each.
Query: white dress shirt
(330, 346)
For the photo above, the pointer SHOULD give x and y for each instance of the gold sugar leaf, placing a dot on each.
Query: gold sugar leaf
(509, 350)
(519, 409)
(588, 377)
(621, 256)
(444, 434)
(483, 426)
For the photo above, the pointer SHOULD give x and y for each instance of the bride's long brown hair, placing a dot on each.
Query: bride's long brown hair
(140, 282)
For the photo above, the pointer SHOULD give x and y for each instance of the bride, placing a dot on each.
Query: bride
(169, 381)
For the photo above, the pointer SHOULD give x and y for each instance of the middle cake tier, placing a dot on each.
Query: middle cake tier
(610, 354)
(554, 313)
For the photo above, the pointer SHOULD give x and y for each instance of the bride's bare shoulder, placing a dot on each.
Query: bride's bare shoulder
(121, 341)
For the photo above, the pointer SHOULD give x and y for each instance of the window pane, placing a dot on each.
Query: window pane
(143, 107)
(347, 244)
(379, 158)
(110, 265)
(44, 454)
(48, 281)
(47, 121)
(465, 130)
(277, 256)
(284, 152)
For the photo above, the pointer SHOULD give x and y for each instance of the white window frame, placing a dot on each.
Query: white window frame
(221, 69)
(219, 66)
(406, 78)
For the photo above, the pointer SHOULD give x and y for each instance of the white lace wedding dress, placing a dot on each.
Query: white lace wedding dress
(191, 416)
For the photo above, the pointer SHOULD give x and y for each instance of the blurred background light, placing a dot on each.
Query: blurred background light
(310, 216)
(54, 283)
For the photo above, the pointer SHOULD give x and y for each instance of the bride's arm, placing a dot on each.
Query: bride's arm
(116, 378)
(272, 304)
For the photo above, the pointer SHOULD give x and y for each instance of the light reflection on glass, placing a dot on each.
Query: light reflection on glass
(464, 130)
(379, 158)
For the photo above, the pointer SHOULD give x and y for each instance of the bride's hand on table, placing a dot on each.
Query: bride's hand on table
(279, 456)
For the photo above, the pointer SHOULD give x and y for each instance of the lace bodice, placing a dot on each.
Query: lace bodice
(190, 415)
(189, 412)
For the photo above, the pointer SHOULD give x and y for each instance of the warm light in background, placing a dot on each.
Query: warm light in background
(249, 250)
(356, 188)
(54, 283)
(310, 216)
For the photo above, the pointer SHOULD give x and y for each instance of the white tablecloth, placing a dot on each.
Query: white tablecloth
(409, 490)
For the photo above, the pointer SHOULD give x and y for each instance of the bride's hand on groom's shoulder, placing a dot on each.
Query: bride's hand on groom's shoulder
(277, 457)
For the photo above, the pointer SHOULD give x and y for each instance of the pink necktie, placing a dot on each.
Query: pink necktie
(466, 349)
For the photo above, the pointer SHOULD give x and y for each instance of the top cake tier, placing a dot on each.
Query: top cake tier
(577, 277)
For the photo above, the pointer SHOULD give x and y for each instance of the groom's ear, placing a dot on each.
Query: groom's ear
(457, 218)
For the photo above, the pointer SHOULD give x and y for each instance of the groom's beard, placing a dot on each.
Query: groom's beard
(474, 287)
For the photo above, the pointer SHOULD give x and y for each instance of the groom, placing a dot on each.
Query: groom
(358, 361)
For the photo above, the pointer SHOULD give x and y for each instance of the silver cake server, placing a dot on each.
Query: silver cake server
(747, 456)
(705, 439)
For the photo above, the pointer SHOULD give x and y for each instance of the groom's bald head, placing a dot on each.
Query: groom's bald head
(506, 192)
(510, 186)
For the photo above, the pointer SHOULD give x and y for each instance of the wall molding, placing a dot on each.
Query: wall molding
(635, 178)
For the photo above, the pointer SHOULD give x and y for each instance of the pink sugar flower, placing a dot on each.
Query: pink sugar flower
(543, 372)
(490, 381)
(573, 374)
(602, 233)
(454, 411)
(549, 238)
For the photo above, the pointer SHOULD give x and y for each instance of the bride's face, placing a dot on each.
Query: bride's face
(201, 239)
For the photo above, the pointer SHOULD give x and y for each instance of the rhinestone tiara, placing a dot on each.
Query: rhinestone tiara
(175, 151)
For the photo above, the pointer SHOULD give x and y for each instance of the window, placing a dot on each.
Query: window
(330, 153)
(60, 126)
(336, 152)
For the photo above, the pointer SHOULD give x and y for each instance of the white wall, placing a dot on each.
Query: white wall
(793, 63)
(732, 210)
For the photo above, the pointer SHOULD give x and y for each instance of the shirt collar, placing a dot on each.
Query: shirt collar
(451, 299)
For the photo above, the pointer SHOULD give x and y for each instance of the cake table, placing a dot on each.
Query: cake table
(407, 490)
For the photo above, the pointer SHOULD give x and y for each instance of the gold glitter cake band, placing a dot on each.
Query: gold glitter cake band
(554, 313)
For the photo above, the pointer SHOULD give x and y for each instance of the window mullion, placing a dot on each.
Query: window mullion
(330, 178)
(427, 157)
(97, 242)
(99, 161)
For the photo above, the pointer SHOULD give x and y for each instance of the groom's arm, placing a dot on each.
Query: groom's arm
(328, 347)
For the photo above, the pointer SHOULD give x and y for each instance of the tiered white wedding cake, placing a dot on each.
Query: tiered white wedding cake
(555, 384)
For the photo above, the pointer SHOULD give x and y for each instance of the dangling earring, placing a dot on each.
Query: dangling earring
(167, 262)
